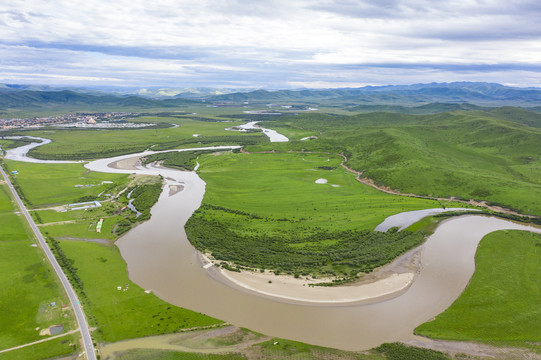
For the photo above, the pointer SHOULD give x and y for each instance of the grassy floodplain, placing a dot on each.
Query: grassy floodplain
(47, 186)
(28, 288)
(129, 312)
(89, 144)
(501, 303)
(56, 184)
(97, 263)
(206, 345)
(269, 212)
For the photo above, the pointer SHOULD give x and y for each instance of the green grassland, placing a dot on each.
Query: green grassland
(479, 155)
(55, 184)
(11, 224)
(268, 212)
(6, 144)
(28, 287)
(46, 185)
(501, 303)
(89, 144)
(123, 314)
(56, 348)
(96, 270)
(84, 229)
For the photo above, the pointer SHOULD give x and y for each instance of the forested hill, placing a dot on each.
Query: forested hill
(482, 94)
(67, 98)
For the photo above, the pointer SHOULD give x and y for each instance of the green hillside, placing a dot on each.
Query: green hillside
(470, 155)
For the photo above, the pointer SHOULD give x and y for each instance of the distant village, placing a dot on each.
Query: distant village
(76, 120)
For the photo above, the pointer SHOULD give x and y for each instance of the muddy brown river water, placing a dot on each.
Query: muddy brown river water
(160, 258)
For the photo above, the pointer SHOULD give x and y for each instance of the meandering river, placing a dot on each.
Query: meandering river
(160, 258)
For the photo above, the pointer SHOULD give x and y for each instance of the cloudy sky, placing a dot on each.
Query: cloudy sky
(269, 43)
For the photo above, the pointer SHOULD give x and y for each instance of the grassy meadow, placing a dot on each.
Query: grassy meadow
(501, 302)
(12, 223)
(279, 186)
(129, 312)
(89, 144)
(57, 348)
(28, 286)
(55, 184)
(268, 212)
(118, 315)
(470, 155)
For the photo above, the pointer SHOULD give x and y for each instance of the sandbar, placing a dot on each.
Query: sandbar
(383, 283)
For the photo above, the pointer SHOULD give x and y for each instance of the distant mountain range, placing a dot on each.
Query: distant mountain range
(414, 99)
(29, 99)
(152, 92)
(481, 94)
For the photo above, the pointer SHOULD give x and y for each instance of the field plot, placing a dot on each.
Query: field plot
(31, 298)
(501, 303)
(296, 213)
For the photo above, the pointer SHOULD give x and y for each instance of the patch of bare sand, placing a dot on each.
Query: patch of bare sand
(383, 283)
(174, 189)
(222, 339)
(126, 164)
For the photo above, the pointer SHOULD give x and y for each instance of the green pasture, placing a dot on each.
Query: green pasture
(90, 144)
(82, 223)
(268, 212)
(63, 346)
(120, 314)
(469, 155)
(84, 229)
(501, 302)
(12, 226)
(27, 282)
(51, 216)
(54, 184)
(283, 186)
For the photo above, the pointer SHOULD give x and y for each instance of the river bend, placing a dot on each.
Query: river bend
(160, 258)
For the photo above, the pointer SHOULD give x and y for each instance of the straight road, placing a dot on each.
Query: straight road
(79, 314)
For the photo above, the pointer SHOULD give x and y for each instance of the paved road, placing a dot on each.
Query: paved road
(79, 314)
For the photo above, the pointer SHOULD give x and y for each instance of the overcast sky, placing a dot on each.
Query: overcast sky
(269, 43)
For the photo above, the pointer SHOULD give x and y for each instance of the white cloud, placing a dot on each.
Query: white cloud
(269, 40)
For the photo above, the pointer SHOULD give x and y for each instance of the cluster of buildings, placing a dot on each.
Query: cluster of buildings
(76, 120)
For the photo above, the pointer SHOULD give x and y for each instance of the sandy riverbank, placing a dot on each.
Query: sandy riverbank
(383, 283)
(127, 164)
